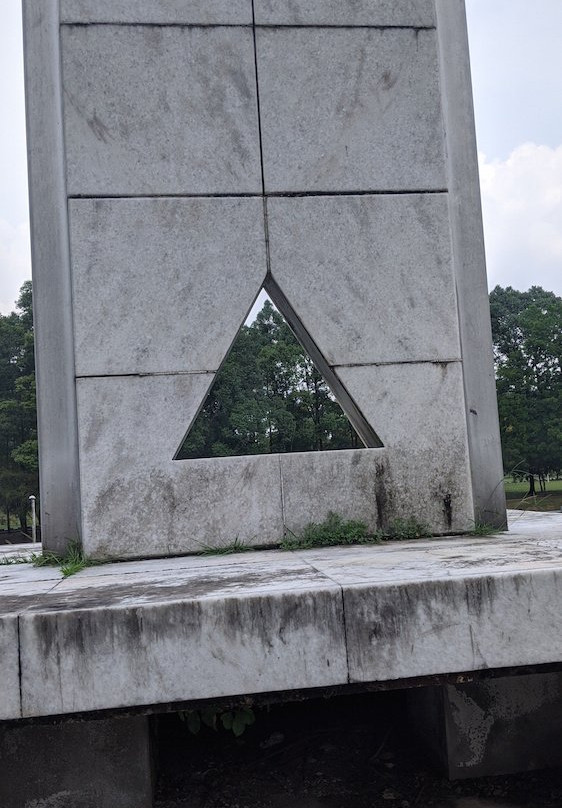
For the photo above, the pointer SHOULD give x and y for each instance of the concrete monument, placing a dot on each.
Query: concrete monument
(185, 155)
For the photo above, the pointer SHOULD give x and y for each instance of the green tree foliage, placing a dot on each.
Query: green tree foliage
(527, 335)
(268, 397)
(18, 422)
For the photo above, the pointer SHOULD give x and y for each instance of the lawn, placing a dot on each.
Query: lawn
(549, 500)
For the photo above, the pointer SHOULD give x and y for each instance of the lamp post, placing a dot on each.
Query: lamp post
(33, 520)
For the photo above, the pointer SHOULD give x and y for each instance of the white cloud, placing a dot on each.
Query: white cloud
(15, 262)
(522, 206)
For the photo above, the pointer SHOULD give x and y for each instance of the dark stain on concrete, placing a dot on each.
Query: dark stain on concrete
(382, 493)
(448, 510)
(99, 129)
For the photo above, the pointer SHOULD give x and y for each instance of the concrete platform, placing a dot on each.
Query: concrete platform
(170, 630)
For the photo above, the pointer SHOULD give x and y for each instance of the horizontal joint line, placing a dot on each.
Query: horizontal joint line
(244, 25)
(144, 375)
(335, 26)
(290, 194)
(398, 362)
(136, 24)
(259, 195)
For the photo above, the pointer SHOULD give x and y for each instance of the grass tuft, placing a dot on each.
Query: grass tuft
(332, 531)
(482, 529)
(70, 563)
(335, 531)
(236, 546)
(406, 529)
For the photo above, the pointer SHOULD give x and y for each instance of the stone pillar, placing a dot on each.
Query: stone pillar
(77, 764)
(184, 156)
(498, 726)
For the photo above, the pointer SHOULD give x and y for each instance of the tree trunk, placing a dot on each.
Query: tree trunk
(531, 492)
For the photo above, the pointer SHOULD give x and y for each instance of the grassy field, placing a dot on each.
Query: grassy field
(550, 500)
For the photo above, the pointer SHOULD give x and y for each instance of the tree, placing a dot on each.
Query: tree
(527, 336)
(18, 420)
(268, 397)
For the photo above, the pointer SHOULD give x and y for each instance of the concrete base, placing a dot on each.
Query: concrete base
(498, 726)
(154, 632)
(82, 764)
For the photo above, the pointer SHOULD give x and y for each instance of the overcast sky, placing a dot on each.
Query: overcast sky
(517, 76)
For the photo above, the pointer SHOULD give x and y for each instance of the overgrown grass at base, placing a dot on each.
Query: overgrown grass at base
(335, 531)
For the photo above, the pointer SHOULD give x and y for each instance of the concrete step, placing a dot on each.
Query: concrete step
(202, 627)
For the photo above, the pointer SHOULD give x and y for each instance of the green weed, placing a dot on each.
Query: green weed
(236, 546)
(405, 529)
(235, 721)
(482, 529)
(332, 531)
(335, 531)
(70, 563)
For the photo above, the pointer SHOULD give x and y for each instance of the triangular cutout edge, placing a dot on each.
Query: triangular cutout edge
(328, 390)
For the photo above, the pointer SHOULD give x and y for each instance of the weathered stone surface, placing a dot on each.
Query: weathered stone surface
(169, 629)
(347, 480)
(502, 726)
(417, 405)
(435, 559)
(418, 412)
(496, 726)
(350, 110)
(10, 706)
(336, 12)
(195, 12)
(462, 622)
(137, 500)
(171, 302)
(82, 764)
(218, 632)
(467, 238)
(354, 103)
(52, 320)
(370, 277)
(160, 110)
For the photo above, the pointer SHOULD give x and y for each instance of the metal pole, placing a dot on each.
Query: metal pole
(33, 520)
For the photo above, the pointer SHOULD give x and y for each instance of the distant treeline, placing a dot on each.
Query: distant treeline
(268, 397)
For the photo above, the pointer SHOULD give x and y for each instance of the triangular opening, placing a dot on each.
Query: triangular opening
(274, 395)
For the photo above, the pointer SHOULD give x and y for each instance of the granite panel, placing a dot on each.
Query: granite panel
(350, 110)
(194, 12)
(159, 110)
(162, 285)
(370, 277)
(196, 647)
(337, 12)
(317, 483)
(137, 500)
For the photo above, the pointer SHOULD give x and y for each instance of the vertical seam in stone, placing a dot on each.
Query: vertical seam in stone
(260, 138)
(258, 96)
(345, 633)
(19, 667)
(344, 621)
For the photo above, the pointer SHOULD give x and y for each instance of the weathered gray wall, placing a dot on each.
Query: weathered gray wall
(207, 148)
(498, 726)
